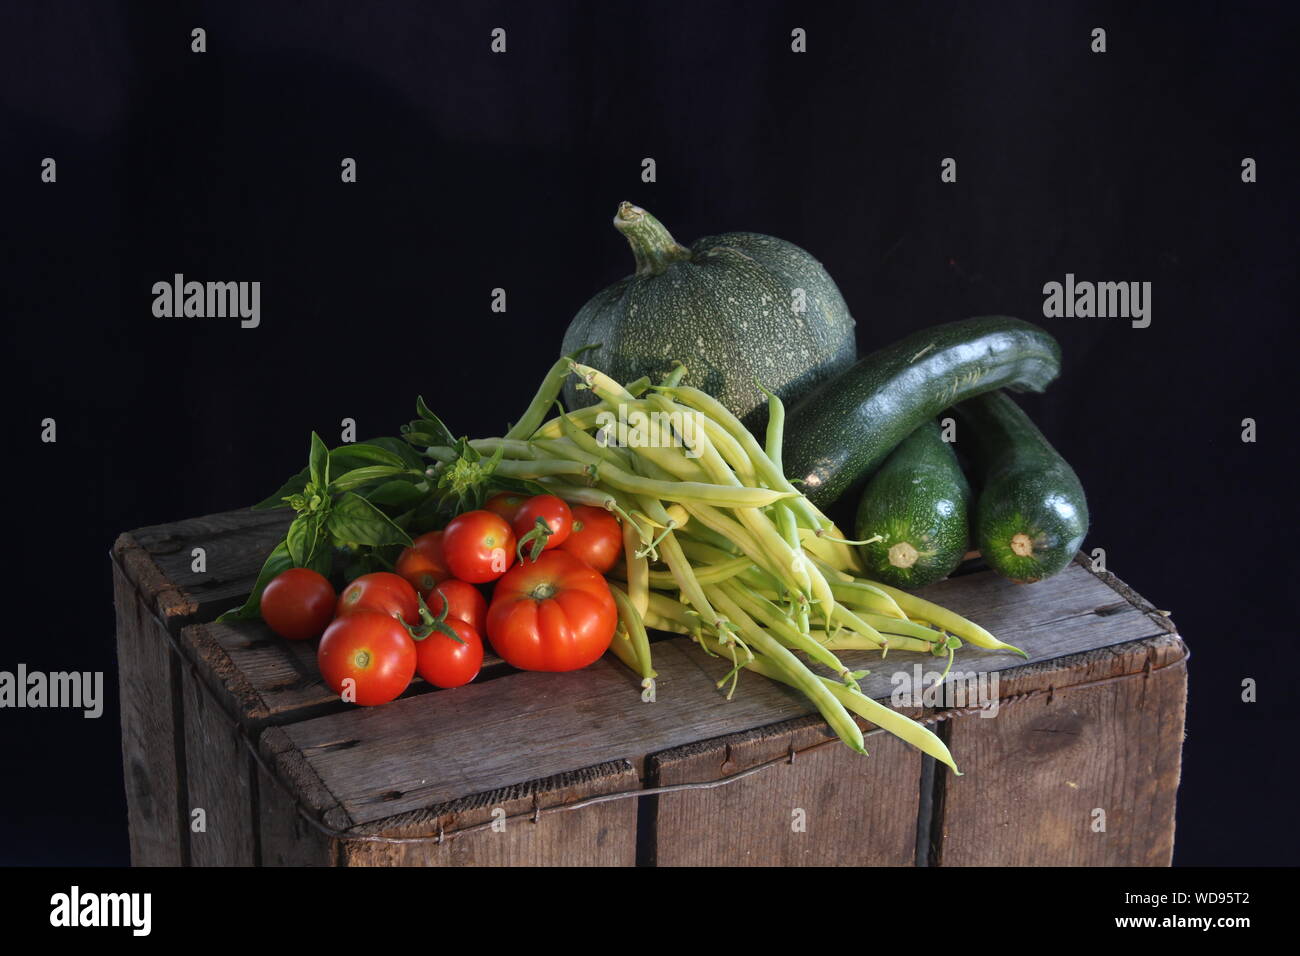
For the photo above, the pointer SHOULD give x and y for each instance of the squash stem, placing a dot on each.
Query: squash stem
(652, 245)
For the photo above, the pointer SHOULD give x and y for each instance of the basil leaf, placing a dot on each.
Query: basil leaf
(301, 538)
(359, 476)
(354, 519)
(318, 464)
(347, 457)
(306, 540)
(408, 455)
(420, 439)
(294, 486)
(433, 423)
(278, 560)
(397, 495)
(467, 451)
(322, 559)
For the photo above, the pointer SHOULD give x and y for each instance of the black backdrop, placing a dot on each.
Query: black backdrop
(478, 171)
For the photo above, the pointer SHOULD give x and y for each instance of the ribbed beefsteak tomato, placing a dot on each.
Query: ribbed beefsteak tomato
(552, 614)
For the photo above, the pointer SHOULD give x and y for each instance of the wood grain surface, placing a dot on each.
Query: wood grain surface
(514, 741)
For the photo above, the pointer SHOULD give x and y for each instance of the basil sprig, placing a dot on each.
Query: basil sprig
(357, 505)
(335, 514)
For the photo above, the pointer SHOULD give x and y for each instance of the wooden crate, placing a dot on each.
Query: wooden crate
(235, 753)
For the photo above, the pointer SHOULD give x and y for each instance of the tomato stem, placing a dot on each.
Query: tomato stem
(543, 591)
(430, 623)
(537, 538)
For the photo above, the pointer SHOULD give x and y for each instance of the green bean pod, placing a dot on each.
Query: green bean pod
(587, 416)
(768, 613)
(661, 623)
(547, 393)
(540, 468)
(953, 623)
(621, 647)
(705, 574)
(680, 568)
(662, 449)
(686, 492)
(892, 722)
(638, 569)
(632, 619)
(583, 495)
(866, 595)
(902, 628)
(798, 675)
(735, 457)
(845, 617)
(846, 640)
(607, 452)
(707, 546)
(775, 428)
(513, 449)
(768, 470)
(671, 609)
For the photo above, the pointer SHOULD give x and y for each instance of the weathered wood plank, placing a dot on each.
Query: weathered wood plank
(218, 777)
(829, 807)
(156, 593)
(1039, 772)
(285, 838)
(235, 544)
(148, 676)
(286, 786)
(430, 749)
(262, 674)
(420, 761)
(1071, 612)
(414, 752)
(602, 834)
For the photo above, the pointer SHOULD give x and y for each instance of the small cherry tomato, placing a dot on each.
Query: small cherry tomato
(552, 614)
(506, 504)
(552, 511)
(424, 564)
(596, 538)
(367, 657)
(298, 604)
(479, 545)
(464, 602)
(381, 591)
(447, 662)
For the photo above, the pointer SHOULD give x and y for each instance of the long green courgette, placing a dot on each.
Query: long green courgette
(839, 434)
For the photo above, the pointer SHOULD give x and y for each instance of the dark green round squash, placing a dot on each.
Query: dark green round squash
(725, 307)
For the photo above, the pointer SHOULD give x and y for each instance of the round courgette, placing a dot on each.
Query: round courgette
(725, 306)
(917, 503)
(840, 433)
(1030, 513)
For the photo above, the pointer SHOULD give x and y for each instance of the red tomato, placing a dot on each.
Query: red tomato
(298, 604)
(550, 509)
(444, 662)
(464, 603)
(382, 591)
(506, 504)
(423, 564)
(552, 614)
(479, 545)
(596, 538)
(373, 651)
